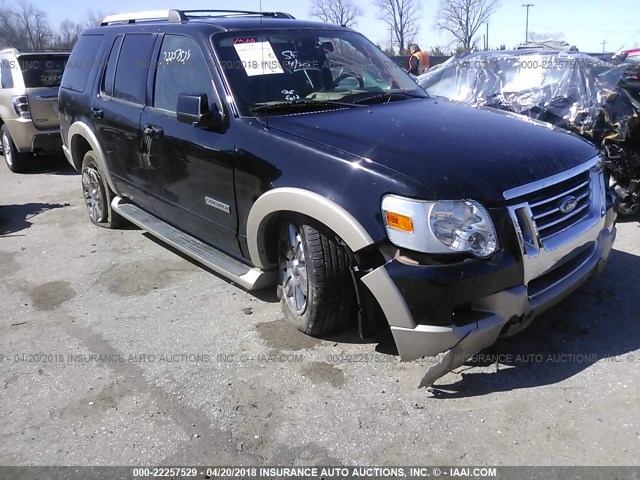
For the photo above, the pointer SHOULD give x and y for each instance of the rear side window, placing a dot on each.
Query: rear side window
(5, 74)
(181, 68)
(133, 68)
(81, 61)
(42, 70)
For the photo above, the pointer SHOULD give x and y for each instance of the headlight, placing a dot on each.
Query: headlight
(446, 226)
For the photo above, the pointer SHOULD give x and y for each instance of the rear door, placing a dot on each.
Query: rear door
(42, 75)
(117, 108)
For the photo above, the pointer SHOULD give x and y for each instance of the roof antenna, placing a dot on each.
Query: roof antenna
(264, 77)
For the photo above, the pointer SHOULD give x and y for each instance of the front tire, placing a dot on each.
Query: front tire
(16, 161)
(315, 284)
(97, 194)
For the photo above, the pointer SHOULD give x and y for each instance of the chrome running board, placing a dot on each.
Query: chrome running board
(227, 266)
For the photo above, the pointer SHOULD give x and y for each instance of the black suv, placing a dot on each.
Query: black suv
(297, 155)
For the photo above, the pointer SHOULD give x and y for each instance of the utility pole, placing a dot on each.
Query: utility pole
(526, 34)
(603, 42)
(487, 48)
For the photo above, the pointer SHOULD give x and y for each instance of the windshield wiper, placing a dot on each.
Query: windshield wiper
(301, 105)
(386, 98)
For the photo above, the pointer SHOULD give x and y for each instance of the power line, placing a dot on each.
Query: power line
(625, 43)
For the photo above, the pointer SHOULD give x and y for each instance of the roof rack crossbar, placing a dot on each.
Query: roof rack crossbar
(179, 16)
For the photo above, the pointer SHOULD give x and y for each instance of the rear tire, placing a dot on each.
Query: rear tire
(315, 284)
(97, 194)
(16, 161)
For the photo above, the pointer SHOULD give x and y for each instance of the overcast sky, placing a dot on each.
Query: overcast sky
(584, 23)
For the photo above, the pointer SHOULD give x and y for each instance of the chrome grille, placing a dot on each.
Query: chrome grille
(555, 218)
(545, 205)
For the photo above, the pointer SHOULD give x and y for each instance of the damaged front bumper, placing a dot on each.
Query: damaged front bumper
(481, 301)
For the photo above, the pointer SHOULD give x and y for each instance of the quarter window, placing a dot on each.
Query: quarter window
(110, 73)
(181, 69)
(80, 63)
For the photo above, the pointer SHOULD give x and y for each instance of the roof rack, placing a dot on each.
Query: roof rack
(179, 16)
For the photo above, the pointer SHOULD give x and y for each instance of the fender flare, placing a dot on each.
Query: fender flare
(308, 203)
(83, 130)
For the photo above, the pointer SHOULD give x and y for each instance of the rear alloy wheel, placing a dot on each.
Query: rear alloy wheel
(97, 194)
(16, 161)
(315, 284)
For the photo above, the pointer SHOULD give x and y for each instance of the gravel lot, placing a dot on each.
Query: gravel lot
(194, 370)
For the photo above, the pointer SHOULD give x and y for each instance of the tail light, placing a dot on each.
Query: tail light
(21, 106)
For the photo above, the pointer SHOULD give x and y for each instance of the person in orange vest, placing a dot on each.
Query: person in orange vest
(418, 61)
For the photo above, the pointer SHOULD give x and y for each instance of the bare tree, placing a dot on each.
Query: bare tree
(463, 18)
(403, 17)
(67, 34)
(25, 27)
(542, 37)
(36, 26)
(11, 34)
(94, 18)
(339, 12)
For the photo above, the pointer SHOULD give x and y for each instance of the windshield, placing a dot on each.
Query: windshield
(308, 67)
(42, 70)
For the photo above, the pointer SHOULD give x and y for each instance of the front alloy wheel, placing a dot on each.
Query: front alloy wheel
(315, 286)
(293, 271)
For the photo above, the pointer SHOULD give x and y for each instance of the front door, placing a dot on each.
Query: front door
(190, 169)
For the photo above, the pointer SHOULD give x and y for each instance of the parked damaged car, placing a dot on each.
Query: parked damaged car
(631, 78)
(305, 174)
(575, 91)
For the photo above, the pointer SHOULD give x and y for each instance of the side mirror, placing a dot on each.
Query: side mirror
(194, 110)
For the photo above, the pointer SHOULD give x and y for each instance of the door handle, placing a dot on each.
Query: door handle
(96, 112)
(153, 131)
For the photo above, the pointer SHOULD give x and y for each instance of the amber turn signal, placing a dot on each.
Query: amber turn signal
(399, 222)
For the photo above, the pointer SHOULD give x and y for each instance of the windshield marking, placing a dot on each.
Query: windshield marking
(178, 55)
(290, 95)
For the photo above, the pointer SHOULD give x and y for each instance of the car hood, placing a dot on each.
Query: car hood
(455, 151)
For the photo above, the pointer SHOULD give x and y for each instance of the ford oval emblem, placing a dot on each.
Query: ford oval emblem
(568, 204)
